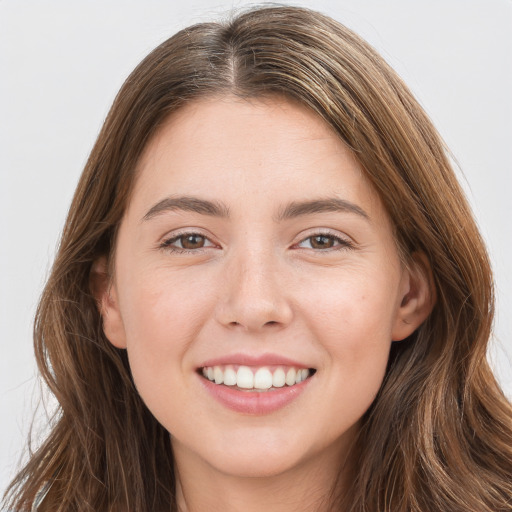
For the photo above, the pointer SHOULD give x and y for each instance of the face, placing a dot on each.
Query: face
(257, 286)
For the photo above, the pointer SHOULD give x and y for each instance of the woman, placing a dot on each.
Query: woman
(269, 294)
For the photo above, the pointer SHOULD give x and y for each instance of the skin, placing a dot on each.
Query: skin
(258, 285)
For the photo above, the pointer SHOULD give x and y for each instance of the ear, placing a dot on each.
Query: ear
(104, 291)
(418, 297)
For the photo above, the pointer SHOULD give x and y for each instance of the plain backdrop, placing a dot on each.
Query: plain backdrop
(61, 64)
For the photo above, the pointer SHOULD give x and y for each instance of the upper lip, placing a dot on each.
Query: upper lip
(253, 360)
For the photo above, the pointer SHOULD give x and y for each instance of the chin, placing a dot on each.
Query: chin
(262, 454)
(262, 465)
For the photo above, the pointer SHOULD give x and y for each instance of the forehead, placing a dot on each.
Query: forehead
(271, 149)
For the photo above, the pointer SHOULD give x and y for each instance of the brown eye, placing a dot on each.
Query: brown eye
(187, 242)
(322, 242)
(192, 241)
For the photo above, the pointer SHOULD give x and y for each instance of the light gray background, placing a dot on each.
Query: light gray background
(61, 63)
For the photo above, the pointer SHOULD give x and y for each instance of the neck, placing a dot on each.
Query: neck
(312, 485)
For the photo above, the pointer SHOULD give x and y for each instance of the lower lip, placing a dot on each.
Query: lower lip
(254, 402)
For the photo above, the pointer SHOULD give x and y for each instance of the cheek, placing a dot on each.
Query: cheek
(353, 323)
(162, 307)
(356, 308)
(162, 316)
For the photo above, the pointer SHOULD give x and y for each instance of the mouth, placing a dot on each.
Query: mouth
(256, 378)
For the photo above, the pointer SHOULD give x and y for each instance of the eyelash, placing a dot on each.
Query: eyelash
(166, 244)
(343, 244)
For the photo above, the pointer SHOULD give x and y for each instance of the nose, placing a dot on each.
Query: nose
(253, 295)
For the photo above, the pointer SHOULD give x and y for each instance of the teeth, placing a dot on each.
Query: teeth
(290, 377)
(262, 378)
(244, 378)
(218, 375)
(229, 376)
(279, 378)
(301, 375)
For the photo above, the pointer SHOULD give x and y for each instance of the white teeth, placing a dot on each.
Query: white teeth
(279, 378)
(301, 375)
(290, 377)
(229, 376)
(218, 375)
(244, 378)
(262, 379)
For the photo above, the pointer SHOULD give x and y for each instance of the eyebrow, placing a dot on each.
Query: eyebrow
(331, 204)
(217, 209)
(188, 204)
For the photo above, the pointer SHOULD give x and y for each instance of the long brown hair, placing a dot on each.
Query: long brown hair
(439, 434)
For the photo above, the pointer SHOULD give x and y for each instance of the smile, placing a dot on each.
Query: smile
(251, 378)
(255, 385)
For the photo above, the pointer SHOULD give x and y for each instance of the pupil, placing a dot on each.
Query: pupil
(192, 242)
(322, 242)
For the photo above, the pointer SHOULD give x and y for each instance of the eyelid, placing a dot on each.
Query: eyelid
(345, 242)
(169, 238)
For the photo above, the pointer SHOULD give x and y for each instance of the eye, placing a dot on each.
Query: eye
(187, 242)
(324, 241)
